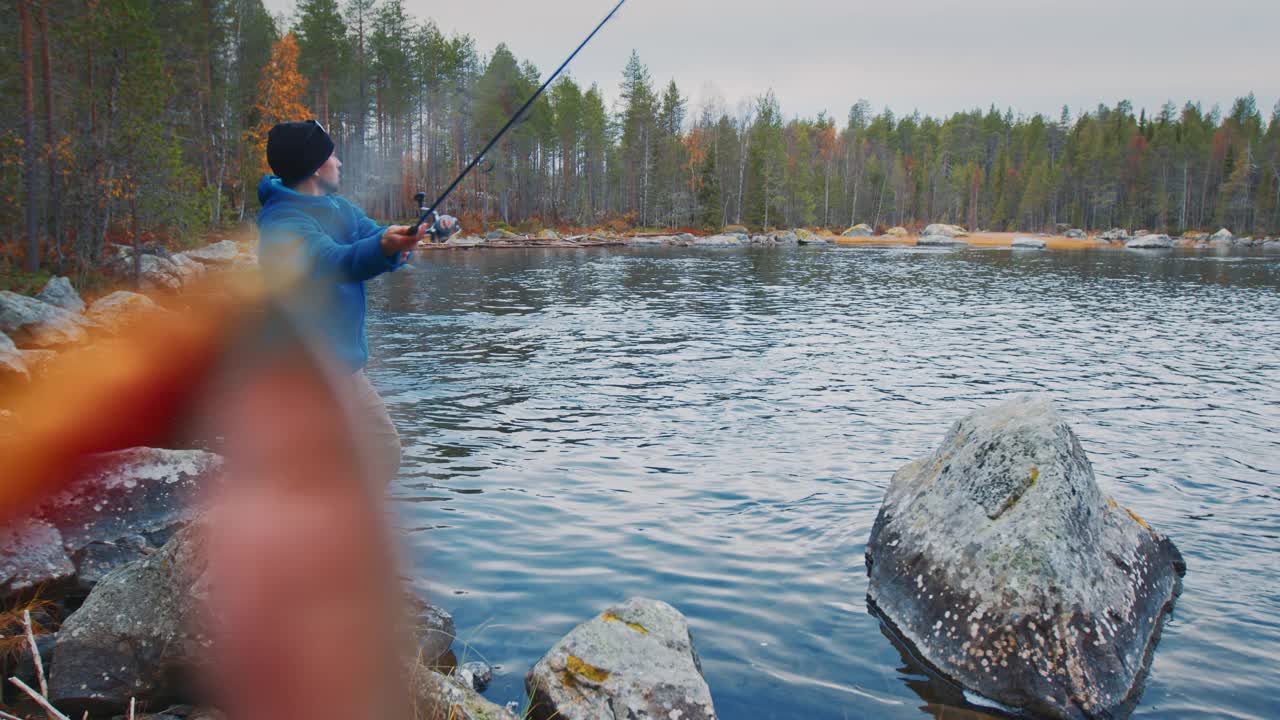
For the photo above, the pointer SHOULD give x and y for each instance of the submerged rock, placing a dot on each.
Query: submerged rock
(859, 231)
(1001, 562)
(32, 323)
(1150, 242)
(636, 661)
(59, 293)
(1033, 243)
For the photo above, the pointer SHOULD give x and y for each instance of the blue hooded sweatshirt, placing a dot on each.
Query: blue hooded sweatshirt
(337, 248)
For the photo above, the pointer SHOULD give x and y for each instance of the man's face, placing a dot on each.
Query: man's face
(330, 174)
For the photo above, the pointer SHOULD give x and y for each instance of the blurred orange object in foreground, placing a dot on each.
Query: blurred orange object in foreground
(302, 592)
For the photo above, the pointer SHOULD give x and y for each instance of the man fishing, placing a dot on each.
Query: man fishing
(321, 247)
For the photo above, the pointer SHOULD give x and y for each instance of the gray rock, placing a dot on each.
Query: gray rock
(1196, 236)
(13, 363)
(1115, 235)
(999, 560)
(1270, 244)
(1222, 237)
(940, 241)
(762, 240)
(32, 323)
(1076, 234)
(502, 235)
(636, 661)
(1141, 233)
(717, 241)
(226, 252)
(476, 675)
(32, 558)
(807, 239)
(940, 230)
(434, 629)
(187, 268)
(136, 636)
(120, 309)
(59, 293)
(129, 505)
(437, 697)
(1026, 242)
(860, 230)
(1150, 242)
(650, 240)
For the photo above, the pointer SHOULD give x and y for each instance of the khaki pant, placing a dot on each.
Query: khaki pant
(378, 437)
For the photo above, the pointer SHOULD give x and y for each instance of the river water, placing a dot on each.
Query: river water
(716, 429)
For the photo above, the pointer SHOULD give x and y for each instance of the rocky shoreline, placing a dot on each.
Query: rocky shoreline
(937, 235)
(1023, 564)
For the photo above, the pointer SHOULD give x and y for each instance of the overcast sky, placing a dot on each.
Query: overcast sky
(937, 57)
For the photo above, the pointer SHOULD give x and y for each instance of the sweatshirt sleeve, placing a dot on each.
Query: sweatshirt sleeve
(301, 240)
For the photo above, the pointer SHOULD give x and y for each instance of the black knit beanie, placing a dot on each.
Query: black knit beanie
(296, 150)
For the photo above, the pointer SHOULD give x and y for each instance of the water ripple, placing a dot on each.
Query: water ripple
(717, 429)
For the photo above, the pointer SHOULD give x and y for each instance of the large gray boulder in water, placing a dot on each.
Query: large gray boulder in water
(999, 559)
(635, 661)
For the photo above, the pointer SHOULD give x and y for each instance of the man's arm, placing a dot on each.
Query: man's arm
(301, 241)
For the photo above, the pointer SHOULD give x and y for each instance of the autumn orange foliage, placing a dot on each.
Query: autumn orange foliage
(280, 93)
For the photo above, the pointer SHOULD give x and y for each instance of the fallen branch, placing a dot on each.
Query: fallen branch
(39, 699)
(35, 653)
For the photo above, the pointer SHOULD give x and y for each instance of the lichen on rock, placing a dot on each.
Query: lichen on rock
(999, 559)
(635, 660)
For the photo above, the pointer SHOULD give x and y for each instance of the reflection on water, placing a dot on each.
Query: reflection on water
(716, 429)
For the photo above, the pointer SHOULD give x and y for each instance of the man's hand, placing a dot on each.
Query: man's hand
(400, 238)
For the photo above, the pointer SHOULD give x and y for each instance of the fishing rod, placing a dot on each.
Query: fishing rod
(429, 213)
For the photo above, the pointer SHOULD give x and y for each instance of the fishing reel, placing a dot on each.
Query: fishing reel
(437, 231)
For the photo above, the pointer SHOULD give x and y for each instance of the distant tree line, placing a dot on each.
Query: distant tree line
(128, 120)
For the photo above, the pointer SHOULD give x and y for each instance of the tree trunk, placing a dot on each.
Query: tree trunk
(50, 135)
(32, 263)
